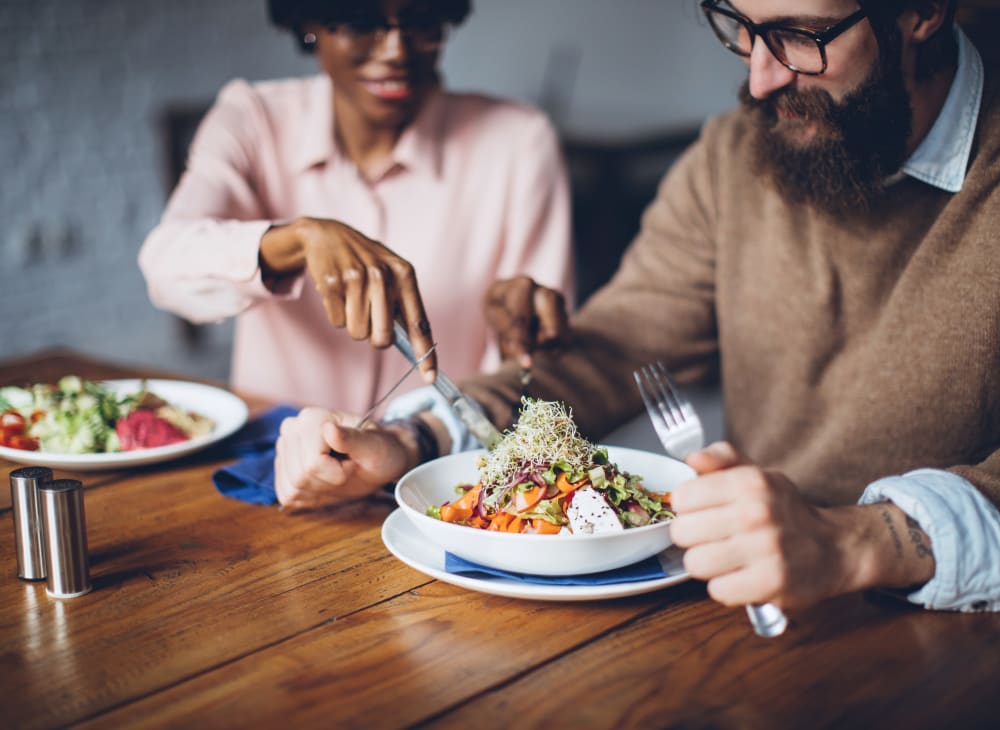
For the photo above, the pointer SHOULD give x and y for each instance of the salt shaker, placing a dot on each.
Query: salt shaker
(28, 530)
(65, 538)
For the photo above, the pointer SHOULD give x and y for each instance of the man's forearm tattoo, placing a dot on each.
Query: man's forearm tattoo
(916, 537)
(887, 516)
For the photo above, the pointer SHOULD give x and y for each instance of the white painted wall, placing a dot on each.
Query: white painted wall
(84, 83)
(643, 65)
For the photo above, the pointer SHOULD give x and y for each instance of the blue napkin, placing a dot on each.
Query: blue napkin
(251, 478)
(648, 569)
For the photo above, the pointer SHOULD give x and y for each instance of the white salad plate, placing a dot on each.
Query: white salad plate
(434, 483)
(227, 410)
(410, 546)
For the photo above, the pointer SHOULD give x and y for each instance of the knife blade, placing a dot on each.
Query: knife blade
(470, 413)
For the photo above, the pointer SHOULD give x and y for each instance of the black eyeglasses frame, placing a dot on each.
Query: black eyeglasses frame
(427, 36)
(763, 30)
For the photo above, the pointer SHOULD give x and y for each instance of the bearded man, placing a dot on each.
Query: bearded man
(828, 251)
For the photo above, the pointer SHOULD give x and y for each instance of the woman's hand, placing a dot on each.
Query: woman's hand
(306, 476)
(525, 316)
(364, 285)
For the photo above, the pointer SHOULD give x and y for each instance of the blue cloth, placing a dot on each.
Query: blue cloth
(251, 478)
(648, 569)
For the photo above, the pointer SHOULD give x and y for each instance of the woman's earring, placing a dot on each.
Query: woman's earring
(309, 41)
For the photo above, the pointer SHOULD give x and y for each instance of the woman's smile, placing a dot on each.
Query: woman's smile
(391, 88)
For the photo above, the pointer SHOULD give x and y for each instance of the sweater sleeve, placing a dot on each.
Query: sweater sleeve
(964, 529)
(660, 305)
(201, 261)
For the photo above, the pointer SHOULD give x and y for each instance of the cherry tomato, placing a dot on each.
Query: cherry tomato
(20, 441)
(12, 422)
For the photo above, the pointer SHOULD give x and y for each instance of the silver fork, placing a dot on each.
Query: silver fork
(680, 431)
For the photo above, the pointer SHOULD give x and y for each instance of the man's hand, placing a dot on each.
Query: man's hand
(306, 476)
(364, 285)
(755, 539)
(525, 316)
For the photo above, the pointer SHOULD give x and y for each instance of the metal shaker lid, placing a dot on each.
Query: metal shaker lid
(60, 485)
(32, 473)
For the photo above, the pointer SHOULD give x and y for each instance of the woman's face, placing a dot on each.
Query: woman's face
(383, 75)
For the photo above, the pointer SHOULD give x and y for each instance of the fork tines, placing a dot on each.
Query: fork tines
(658, 391)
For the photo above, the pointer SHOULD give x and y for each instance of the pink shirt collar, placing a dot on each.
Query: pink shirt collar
(419, 147)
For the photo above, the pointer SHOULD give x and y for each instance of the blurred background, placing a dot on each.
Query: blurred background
(99, 98)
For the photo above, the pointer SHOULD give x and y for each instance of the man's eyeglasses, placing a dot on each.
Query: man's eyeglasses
(420, 34)
(799, 49)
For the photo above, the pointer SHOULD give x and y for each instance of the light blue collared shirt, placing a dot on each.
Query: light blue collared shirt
(963, 526)
(942, 157)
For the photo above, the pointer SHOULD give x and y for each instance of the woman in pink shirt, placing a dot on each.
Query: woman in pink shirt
(310, 208)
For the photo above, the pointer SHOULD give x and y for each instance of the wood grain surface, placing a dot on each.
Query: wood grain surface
(212, 613)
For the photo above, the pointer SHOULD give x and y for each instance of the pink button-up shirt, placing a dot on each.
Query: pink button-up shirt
(477, 191)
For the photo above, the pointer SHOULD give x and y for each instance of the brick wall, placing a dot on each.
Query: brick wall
(83, 90)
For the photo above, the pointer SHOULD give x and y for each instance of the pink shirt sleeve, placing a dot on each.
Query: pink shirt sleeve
(201, 261)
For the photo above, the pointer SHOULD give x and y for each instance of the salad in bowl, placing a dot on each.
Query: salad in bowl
(544, 478)
(545, 500)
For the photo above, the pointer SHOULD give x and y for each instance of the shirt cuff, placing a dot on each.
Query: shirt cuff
(964, 529)
(428, 399)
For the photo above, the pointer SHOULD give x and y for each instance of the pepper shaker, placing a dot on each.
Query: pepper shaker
(65, 533)
(27, 512)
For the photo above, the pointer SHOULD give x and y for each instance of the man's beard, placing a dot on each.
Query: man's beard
(856, 143)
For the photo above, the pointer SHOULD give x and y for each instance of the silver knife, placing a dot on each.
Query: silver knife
(470, 412)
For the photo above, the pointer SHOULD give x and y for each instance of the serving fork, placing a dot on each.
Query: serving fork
(680, 431)
(464, 407)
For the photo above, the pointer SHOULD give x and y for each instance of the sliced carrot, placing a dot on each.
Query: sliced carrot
(545, 528)
(463, 507)
(524, 501)
(516, 525)
(565, 485)
(449, 513)
(500, 521)
(471, 496)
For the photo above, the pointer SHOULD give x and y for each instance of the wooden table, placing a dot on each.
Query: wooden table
(209, 612)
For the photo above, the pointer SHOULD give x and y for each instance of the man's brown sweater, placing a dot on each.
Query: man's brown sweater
(849, 348)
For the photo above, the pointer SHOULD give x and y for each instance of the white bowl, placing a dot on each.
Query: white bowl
(564, 554)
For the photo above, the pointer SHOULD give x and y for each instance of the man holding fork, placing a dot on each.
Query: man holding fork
(828, 252)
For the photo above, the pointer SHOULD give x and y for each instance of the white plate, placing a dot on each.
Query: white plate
(564, 554)
(228, 412)
(408, 544)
